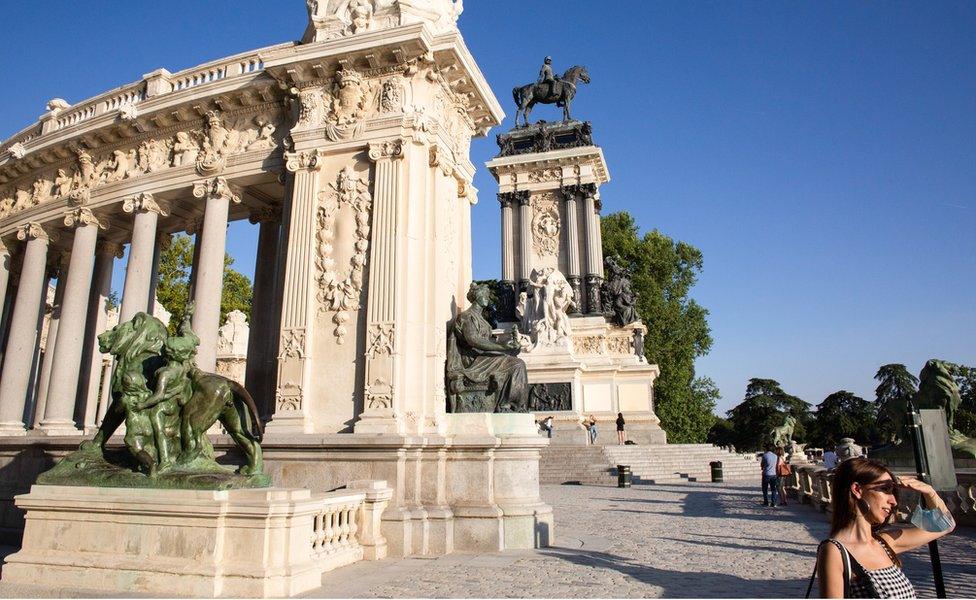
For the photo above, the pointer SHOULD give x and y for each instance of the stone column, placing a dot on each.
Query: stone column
(63, 389)
(23, 330)
(105, 255)
(263, 307)
(594, 253)
(162, 242)
(193, 228)
(210, 267)
(572, 248)
(525, 239)
(379, 415)
(298, 296)
(58, 271)
(5, 264)
(138, 271)
(507, 290)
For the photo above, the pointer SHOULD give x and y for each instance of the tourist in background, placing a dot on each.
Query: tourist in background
(783, 471)
(621, 435)
(768, 466)
(590, 423)
(830, 455)
(546, 425)
(860, 558)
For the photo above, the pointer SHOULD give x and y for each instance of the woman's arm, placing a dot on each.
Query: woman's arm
(904, 537)
(830, 571)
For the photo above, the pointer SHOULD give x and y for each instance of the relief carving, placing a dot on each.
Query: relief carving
(545, 225)
(544, 175)
(340, 286)
(292, 344)
(588, 344)
(380, 340)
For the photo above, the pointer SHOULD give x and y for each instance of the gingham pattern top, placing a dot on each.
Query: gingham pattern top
(887, 582)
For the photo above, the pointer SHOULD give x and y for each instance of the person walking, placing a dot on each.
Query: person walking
(860, 557)
(768, 466)
(783, 471)
(621, 435)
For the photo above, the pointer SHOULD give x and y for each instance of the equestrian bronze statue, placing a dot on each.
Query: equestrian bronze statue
(549, 90)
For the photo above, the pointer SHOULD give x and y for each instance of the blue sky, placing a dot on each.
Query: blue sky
(822, 155)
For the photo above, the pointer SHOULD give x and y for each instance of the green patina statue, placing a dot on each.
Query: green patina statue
(937, 389)
(168, 405)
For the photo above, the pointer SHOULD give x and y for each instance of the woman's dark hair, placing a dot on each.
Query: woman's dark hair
(779, 451)
(855, 470)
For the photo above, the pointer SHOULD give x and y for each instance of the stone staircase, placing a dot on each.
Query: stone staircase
(671, 463)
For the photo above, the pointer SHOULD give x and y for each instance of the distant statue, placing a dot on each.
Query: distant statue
(549, 90)
(618, 296)
(168, 405)
(483, 375)
(544, 314)
(847, 450)
(938, 389)
(782, 435)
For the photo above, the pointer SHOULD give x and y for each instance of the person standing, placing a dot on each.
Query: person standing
(768, 466)
(860, 557)
(830, 455)
(783, 471)
(621, 435)
(590, 423)
(547, 426)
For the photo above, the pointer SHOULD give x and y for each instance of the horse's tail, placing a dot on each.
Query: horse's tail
(243, 399)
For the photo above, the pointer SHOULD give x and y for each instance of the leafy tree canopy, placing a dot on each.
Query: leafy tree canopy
(765, 405)
(896, 386)
(842, 414)
(173, 286)
(662, 273)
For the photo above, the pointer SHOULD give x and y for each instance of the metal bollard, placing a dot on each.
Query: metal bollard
(716, 466)
(623, 476)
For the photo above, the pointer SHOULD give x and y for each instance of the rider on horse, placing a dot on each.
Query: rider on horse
(546, 76)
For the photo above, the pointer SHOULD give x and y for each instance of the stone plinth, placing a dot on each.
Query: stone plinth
(239, 543)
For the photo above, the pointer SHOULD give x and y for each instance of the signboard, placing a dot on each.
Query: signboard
(938, 453)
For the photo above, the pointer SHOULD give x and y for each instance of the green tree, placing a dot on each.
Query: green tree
(895, 388)
(173, 285)
(842, 414)
(965, 420)
(765, 406)
(662, 273)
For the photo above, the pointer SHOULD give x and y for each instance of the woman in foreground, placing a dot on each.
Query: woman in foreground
(860, 558)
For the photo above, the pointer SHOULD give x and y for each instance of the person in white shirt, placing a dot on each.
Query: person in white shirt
(830, 458)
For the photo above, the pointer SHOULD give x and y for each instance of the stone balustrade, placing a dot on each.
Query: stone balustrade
(811, 484)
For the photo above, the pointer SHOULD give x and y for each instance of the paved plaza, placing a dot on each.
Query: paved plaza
(691, 540)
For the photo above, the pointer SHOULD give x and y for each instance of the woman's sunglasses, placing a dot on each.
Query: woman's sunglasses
(885, 487)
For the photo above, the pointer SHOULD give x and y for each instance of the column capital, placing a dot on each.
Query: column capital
(303, 161)
(3, 248)
(389, 149)
(218, 187)
(193, 225)
(522, 197)
(81, 217)
(266, 214)
(32, 231)
(144, 202)
(438, 158)
(106, 247)
(506, 199)
(163, 239)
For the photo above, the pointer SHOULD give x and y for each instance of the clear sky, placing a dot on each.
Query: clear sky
(822, 155)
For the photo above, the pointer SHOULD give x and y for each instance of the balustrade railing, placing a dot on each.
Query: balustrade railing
(335, 527)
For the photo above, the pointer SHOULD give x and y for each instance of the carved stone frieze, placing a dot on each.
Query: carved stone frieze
(620, 345)
(339, 286)
(545, 225)
(550, 397)
(588, 344)
(545, 175)
(339, 107)
(206, 147)
(391, 95)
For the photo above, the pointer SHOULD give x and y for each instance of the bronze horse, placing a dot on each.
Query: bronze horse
(560, 93)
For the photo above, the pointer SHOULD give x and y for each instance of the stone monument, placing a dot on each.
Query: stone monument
(350, 150)
(583, 340)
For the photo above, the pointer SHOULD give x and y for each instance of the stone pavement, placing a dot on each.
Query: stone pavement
(676, 541)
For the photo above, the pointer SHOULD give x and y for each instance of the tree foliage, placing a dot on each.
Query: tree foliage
(965, 420)
(662, 273)
(765, 405)
(173, 286)
(842, 414)
(895, 388)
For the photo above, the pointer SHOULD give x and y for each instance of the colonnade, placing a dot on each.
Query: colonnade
(588, 268)
(68, 388)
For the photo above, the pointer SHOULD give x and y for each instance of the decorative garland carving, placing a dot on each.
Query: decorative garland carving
(545, 225)
(339, 290)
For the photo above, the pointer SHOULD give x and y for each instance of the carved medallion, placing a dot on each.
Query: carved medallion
(545, 225)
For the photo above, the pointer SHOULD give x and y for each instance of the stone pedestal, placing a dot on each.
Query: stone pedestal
(239, 543)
